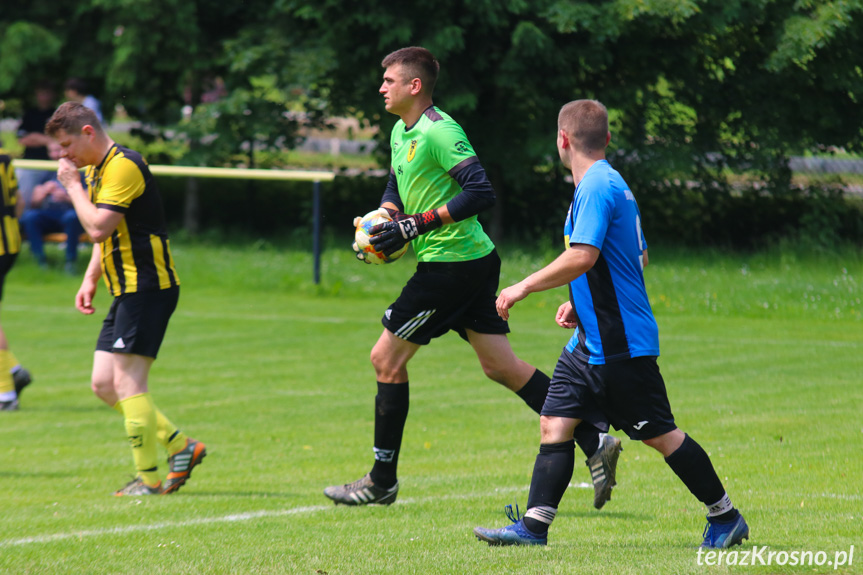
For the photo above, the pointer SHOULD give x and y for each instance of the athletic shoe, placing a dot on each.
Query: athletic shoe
(22, 379)
(514, 534)
(724, 535)
(137, 487)
(182, 463)
(603, 468)
(11, 405)
(363, 491)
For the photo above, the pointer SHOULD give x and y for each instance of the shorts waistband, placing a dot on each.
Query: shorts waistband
(453, 268)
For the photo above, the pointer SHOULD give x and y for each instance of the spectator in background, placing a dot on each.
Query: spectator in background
(78, 91)
(51, 211)
(31, 135)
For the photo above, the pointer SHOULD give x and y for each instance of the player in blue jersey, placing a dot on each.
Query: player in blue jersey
(437, 186)
(608, 370)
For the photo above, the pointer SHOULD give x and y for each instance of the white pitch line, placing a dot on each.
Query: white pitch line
(841, 496)
(168, 524)
(234, 517)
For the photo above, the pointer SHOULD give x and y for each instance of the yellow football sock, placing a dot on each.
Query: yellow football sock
(7, 385)
(168, 435)
(11, 359)
(140, 419)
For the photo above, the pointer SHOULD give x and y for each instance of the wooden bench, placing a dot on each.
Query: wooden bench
(60, 237)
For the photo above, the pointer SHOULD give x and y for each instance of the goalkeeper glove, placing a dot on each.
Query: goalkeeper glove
(390, 237)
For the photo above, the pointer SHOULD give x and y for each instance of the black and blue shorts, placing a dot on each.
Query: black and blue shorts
(443, 296)
(630, 395)
(136, 322)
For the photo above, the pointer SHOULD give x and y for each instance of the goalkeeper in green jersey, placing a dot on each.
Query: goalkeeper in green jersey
(436, 188)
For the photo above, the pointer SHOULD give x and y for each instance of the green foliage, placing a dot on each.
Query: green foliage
(273, 94)
(689, 82)
(32, 46)
(811, 29)
(699, 90)
(155, 147)
(749, 216)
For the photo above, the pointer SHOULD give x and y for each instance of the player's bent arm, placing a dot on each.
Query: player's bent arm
(644, 260)
(87, 291)
(99, 223)
(389, 237)
(476, 195)
(442, 212)
(390, 207)
(94, 266)
(477, 192)
(565, 317)
(569, 265)
(391, 195)
(444, 215)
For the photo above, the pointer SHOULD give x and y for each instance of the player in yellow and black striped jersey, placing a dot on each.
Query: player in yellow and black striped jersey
(136, 257)
(13, 378)
(122, 211)
(10, 235)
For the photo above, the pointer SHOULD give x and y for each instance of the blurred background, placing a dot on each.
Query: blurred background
(737, 123)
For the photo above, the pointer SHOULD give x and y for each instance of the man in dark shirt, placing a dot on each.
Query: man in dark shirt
(31, 135)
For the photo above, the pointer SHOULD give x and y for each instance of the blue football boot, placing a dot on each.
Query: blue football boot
(724, 535)
(514, 534)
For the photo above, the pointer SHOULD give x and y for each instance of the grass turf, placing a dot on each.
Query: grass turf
(761, 354)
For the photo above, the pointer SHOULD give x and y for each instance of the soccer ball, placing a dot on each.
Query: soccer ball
(361, 237)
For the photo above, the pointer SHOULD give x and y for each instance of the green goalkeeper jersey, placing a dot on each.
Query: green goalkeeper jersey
(424, 160)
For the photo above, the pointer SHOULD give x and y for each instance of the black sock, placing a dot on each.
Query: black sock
(692, 465)
(587, 438)
(391, 412)
(534, 391)
(552, 473)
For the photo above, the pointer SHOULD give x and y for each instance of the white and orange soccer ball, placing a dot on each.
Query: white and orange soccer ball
(361, 238)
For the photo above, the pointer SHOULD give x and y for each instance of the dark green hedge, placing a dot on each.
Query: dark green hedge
(709, 215)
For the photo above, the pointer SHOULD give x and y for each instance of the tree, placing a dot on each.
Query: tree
(694, 87)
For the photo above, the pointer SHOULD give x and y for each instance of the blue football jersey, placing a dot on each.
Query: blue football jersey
(615, 321)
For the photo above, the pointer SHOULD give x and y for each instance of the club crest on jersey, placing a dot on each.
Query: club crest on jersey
(412, 151)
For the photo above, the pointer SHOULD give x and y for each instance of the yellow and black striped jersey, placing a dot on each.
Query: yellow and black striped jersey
(137, 256)
(10, 243)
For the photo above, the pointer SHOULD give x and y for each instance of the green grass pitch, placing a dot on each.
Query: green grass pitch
(762, 355)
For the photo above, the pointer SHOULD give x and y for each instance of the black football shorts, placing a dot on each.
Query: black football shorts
(6, 263)
(628, 394)
(443, 296)
(136, 322)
